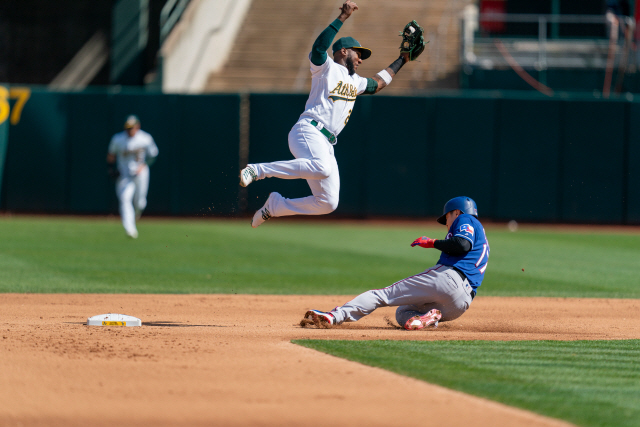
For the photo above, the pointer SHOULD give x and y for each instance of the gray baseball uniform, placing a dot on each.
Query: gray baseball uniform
(439, 287)
(442, 292)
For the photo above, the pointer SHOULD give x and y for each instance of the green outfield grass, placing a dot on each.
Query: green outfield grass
(588, 383)
(76, 254)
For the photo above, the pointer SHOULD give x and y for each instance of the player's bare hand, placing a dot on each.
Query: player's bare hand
(347, 9)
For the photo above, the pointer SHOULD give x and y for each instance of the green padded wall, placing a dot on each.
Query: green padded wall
(207, 166)
(462, 160)
(528, 160)
(592, 161)
(5, 111)
(397, 156)
(36, 164)
(197, 138)
(633, 165)
(520, 156)
(89, 187)
(56, 161)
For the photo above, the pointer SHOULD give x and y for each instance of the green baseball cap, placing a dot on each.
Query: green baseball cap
(131, 121)
(351, 43)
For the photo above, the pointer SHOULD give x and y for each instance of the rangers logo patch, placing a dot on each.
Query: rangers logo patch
(466, 228)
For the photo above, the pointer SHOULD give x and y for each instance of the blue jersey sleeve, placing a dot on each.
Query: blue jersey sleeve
(473, 263)
(465, 229)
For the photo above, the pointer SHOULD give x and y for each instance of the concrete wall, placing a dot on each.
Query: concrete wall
(200, 43)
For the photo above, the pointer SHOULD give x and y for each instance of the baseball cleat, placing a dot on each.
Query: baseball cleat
(320, 318)
(248, 175)
(133, 234)
(262, 214)
(429, 319)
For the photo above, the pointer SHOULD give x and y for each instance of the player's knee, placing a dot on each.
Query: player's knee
(322, 169)
(141, 204)
(327, 204)
(324, 172)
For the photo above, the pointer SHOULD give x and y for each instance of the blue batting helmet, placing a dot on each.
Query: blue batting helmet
(464, 204)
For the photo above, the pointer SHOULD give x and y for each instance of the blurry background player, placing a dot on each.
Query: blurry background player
(442, 292)
(133, 150)
(334, 88)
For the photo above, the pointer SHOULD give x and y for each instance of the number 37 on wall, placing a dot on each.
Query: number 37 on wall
(21, 95)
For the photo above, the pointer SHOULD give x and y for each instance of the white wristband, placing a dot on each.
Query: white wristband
(384, 75)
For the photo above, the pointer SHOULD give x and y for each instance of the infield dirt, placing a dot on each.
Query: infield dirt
(227, 360)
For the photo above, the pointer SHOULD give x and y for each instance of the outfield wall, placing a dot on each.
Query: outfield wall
(56, 159)
(520, 156)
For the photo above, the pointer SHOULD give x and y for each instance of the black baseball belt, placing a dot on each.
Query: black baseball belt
(464, 277)
(331, 137)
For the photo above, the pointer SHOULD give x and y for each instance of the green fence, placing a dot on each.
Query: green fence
(56, 159)
(5, 111)
(519, 155)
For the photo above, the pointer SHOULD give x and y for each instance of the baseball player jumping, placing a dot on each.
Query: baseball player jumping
(440, 293)
(334, 88)
(134, 150)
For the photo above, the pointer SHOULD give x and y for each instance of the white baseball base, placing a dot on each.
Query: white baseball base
(113, 319)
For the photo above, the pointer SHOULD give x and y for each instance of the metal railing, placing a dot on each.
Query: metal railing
(547, 49)
(170, 15)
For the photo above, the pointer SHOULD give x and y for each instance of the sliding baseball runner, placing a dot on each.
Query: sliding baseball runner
(440, 293)
(334, 89)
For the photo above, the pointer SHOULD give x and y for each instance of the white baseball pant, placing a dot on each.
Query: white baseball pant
(132, 193)
(315, 162)
(439, 287)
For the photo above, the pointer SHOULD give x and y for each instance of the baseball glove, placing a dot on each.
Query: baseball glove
(412, 40)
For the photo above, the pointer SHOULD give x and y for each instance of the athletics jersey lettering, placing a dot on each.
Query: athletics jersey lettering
(132, 151)
(343, 92)
(333, 95)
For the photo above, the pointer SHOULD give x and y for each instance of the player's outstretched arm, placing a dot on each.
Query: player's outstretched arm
(346, 10)
(384, 77)
(411, 47)
(323, 42)
(456, 246)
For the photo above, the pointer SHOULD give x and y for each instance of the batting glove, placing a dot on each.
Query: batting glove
(423, 241)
